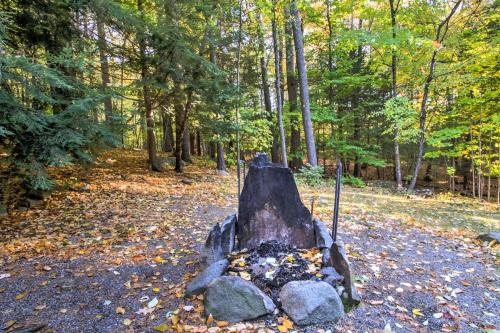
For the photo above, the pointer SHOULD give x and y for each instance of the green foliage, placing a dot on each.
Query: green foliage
(312, 176)
(403, 117)
(48, 124)
(353, 181)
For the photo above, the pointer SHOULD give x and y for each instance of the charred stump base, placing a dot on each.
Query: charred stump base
(273, 257)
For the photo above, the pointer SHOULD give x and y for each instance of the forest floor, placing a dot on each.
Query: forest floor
(113, 253)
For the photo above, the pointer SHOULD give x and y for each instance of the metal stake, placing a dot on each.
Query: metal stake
(337, 200)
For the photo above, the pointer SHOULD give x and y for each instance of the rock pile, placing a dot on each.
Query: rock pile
(274, 256)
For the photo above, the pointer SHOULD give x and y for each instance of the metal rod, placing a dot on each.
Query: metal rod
(338, 182)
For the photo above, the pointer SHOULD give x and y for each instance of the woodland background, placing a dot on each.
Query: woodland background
(397, 90)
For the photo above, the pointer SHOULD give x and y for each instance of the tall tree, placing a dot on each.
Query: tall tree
(441, 32)
(103, 59)
(291, 83)
(394, 92)
(303, 85)
(146, 95)
(278, 88)
(265, 87)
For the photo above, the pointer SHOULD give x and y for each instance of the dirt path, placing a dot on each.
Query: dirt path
(97, 260)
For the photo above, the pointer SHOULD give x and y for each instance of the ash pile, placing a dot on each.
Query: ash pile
(273, 256)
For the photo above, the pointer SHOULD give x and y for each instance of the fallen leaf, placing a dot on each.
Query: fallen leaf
(162, 328)
(20, 296)
(417, 312)
(153, 303)
(120, 310)
(127, 322)
(245, 275)
(40, 307)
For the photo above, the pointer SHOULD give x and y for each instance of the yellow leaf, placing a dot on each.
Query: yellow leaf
(159, 260)
(175, 319)
(282, 328)
(127, 322)
(162, 328)
(120, 310)
(417, 312)
(287, 323)
(210, 319)
(20, 296)
(222, 323)
(156, 290)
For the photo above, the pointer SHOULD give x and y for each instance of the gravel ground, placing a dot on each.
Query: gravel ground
(411, 279)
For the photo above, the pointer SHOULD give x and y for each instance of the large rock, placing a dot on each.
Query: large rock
(201, 281)
(310, 302)
(270, 208)
(489, 237)
(233, 299)
(339, 260)
(220, 240)
(323, 238)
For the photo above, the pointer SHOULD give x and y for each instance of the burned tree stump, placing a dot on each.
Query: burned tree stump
(271, 209)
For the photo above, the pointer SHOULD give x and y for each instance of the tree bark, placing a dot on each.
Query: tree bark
(181, 115)
(168, 133)
(198, 143)
(186, 145)
(397, 156)
(440, 35)
(103, 59)
(221, 163)
(266, 90)
(303, 85)
(291, 83)
(278, 88)
(151, 140)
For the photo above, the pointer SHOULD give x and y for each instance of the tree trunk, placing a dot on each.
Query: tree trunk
(221, 163)
(181, 115)
(303, 85)
(278, 88)
(168, 133)
(423, 107)
(103, 58)
(397, 156)
(151, 140)
(266, 90)
(291, 83)
(198, 143)
(186, 145)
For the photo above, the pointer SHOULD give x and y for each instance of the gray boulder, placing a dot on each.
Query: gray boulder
(198, 285)
(220, 240)
(270, 208)
(233, 299)
(341, 264)
(311, 303)
(331, 276)
(322, 234)
(489, 237)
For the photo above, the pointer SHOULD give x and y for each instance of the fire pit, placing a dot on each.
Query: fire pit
(274, 256)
